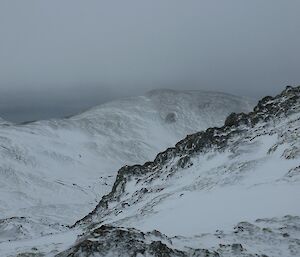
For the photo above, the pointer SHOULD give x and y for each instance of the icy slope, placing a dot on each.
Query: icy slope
(233, 191)
(57, 170)
(223, 192)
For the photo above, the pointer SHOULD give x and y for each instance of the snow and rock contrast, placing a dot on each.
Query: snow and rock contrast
(263, 237)
(224, 191)
(54, 172)
(228, 191)
(253, 156)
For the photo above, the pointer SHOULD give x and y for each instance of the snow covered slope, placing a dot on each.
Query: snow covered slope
(223, 192)
(56, 171)
(228, 191)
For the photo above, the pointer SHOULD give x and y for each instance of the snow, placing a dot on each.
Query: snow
(245, 182)
(58, 170)
(240, 198)
(50, 244)
(196, 213)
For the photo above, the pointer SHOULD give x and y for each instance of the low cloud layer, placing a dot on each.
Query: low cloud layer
(60, 57)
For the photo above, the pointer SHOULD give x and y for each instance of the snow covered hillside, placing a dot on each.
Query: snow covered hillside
(54, 172)
(225, 191)
(244, 176)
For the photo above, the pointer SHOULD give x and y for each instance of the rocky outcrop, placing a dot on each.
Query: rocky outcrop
(267, 109)
(245, 240)
(123, 242)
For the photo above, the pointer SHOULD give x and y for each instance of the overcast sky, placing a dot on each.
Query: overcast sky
(58, 57)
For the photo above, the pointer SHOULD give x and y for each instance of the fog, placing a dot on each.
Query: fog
(60, 57)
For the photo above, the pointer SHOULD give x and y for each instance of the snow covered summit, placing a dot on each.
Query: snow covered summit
(226, 191)
(55, 171)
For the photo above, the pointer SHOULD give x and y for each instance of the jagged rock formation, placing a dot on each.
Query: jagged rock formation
(262, 121)
(235, 161)
(274, 236)
(226, 191)
(111, 241)
(57, 170)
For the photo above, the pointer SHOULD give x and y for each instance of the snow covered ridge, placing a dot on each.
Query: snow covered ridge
(222, 192)
(269, 110)
(271, 234)
(59, 169)
(228, 191)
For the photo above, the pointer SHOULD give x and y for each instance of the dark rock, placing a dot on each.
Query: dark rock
(113, 241)
(213, 138)
(171, 117)
(237, 248)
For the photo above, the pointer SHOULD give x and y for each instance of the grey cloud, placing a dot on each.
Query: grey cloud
(80, 53)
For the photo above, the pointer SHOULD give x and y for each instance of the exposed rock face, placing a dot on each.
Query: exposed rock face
(74, 160)
(231, 191)
(112, 241)
(117, 241)
(268, 110)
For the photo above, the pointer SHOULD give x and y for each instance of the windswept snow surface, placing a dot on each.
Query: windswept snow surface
(228, 191)
(253, 178)
(54, 172)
